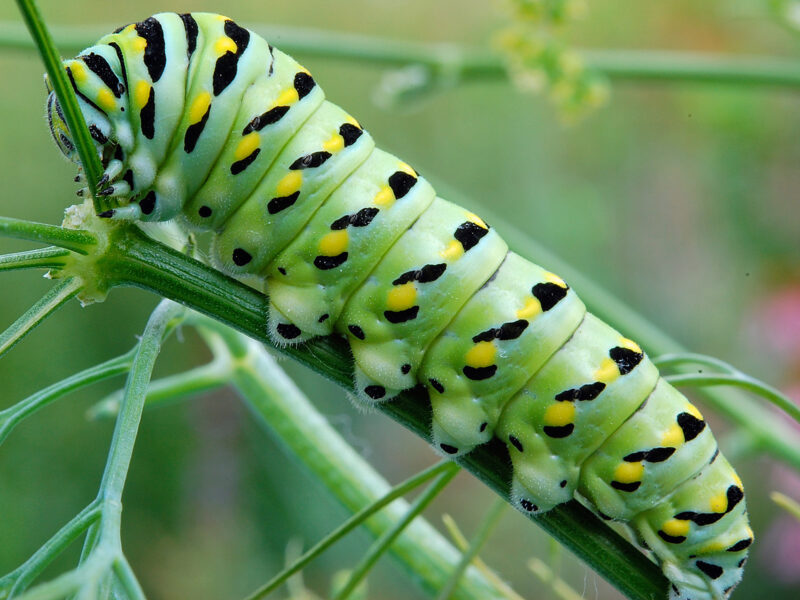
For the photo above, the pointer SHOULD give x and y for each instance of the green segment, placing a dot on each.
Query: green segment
(363, 219)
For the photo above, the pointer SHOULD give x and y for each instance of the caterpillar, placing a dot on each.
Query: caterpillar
(200, 120)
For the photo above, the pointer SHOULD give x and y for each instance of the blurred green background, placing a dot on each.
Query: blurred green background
(681, 199)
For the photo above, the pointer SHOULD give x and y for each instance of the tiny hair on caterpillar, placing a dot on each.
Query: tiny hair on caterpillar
(200, 120)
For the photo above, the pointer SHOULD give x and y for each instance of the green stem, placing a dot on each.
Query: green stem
(127, 426)
(357, 519)
(18, 580)
(281, 407)
(12, 416)
(481, 535)
(127, 579)
(474, 63)
(167, 389)
(66, 96)
(45, 258)
(71, 239)
(788, 504)
(382, 544)
(54, 299)
(765, 391)
(689, 358)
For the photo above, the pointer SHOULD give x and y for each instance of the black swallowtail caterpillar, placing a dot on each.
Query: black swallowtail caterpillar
(198, 119)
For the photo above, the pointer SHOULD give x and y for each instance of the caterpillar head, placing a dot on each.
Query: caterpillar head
(59, 129)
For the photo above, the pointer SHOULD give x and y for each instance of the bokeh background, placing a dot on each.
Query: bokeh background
(681, 199)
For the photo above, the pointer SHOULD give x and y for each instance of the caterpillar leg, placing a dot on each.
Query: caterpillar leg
(282, 330)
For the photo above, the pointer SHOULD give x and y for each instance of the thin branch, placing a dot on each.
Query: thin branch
(382, 544)
(788, 504)
(743, 381)
(13, 415)
(167, 389)
(474, 64)
(71, 239)
(357, 519)
(66, 96)
(18, 580)
(54, 299)
(44, 258)
(486, 526)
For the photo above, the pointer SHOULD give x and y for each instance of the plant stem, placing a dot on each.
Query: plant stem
(357, 519)
(282, 408)
(71, 239)
(739, 380)
(54, 299)
(382, 544)
(788, 504)
(484, 529)
(66, 96)
(127, 426)
(474, 63)
(160, 391)
(12, 416)
(18, 580)
(45, 258)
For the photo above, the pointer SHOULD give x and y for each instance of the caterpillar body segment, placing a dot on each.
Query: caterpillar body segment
(310, 280)
(199, 119)
(505, 332)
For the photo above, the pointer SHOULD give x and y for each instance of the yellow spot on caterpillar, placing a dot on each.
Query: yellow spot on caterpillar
(225, 44)
(334, 144)
(222, 18)
(199, 107)
(407, 169)
(714, 546)
(384, 197)
(142, 93)
(334, 243)
(532, 308)
(719, 503)
(287, 97)
(129, 28)
(673, 436)
(630, 345)
(78, 72)
(553, 278)
(481, 355)
(607, 372)
(247, 145)
(692, 410)
(676, 528)
(105, 99)
(139, 44)
(629, 472)
(738, 480)
(477, 220)
(351, 120)
(289, 184)
(454, 251)
(402, 297)
(559, 414)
